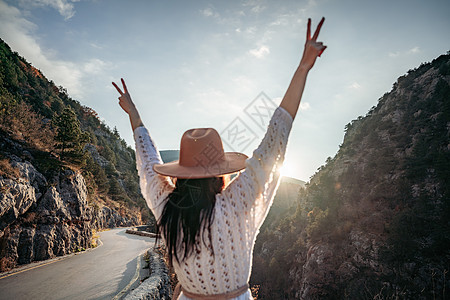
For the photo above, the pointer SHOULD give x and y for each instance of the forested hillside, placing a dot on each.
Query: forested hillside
(374, 221)
(63, 172)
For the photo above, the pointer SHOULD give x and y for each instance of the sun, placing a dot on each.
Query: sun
(287, 169)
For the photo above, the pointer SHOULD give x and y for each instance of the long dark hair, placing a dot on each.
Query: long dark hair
(187, 213)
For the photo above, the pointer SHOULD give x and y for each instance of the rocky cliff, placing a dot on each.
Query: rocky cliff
(373, 222)
(40, 217)
(63, 172)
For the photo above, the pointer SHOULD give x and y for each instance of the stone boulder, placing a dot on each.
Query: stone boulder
(15, 199)
(29, 173)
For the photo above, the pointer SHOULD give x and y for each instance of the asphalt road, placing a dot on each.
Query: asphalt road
(102, 273)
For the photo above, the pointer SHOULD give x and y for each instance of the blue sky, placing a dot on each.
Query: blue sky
(203, 63)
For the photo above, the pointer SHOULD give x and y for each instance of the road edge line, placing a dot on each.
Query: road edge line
(133, 280)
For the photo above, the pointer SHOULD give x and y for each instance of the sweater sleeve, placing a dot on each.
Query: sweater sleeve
(253, 190)
(154, 187)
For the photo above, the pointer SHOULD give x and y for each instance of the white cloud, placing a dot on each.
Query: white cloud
(207, 12)
(64, 7)
(10, 18)
(210, 94)
(254, 5)
(260, 52)
(280, 21)
(226, 19)
(311, 3)
(355, 86)
(250, 30)
(258, 8)
(96, 46)
(304, 106)
(394, 54)
(414, 50)
(95, 66)
(18, 32)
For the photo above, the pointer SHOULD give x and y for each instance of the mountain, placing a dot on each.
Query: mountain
(169, 155)
(63, 173)
(374, 221)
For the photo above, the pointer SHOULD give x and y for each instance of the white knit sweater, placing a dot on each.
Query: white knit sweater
(239, 211)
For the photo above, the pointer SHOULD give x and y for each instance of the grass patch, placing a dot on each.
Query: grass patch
(8, 171)
(94, 239)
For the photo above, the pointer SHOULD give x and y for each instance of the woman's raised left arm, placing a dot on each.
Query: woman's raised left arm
(128, 106)
(154, 187)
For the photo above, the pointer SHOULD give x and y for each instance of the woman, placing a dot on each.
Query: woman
(209, 227)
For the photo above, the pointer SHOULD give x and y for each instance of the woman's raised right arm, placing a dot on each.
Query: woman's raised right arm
(313, 49)
(255, 187)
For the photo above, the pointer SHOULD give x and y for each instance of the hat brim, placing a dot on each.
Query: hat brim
(233, 162)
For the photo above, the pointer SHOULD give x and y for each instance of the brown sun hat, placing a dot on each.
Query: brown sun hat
(202, 156)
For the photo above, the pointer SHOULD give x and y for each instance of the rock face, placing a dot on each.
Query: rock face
(96, 156)
(39, 220)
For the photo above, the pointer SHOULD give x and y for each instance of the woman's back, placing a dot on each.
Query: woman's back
(238, 214)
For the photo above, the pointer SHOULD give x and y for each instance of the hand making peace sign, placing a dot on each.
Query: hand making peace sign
(313, 49)
(125, 99)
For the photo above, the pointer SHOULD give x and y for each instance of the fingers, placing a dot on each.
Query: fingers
(125, 89)
(117, 88)
(316, 33)
(321, 51)
(308, 31)
(124, 86)
(320, 47)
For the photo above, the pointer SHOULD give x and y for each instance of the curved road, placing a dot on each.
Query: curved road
(98, 274)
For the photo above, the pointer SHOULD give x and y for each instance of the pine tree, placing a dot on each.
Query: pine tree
(116, 133)
(70, 138)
